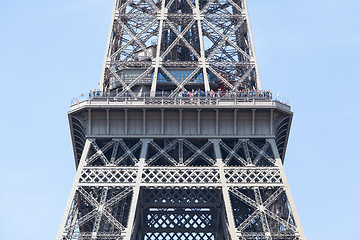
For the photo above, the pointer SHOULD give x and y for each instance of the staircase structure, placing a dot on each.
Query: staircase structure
(180, 142)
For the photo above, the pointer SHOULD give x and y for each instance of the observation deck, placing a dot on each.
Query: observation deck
(249, 115)
(183, 102)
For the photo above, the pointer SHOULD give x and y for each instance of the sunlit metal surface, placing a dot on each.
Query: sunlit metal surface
(180, 142)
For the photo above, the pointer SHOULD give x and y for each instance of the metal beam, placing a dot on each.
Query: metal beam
(253, 122)
(135, 197)
(225, 191)
(199, 121)
(162, 121)
(180, 121)
(89, 122)
(62, 233)
(107, 121)
(287, 189)
(126, 121)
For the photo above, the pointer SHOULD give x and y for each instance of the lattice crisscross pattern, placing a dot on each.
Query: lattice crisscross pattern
(179, 236)
(253, 175)
(180, 152)
(183, 195)
(180, 199)
(166, 219)
(98, 213)
(246, 152)
(108, 175)
(114, 152)
(263, 213)
(205, 168)
(181, 44)
(180, 175)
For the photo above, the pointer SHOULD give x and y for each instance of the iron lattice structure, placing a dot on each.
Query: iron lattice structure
(174, 44)
(177, 167)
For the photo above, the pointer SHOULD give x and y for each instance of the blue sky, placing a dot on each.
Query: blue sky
(52, 51)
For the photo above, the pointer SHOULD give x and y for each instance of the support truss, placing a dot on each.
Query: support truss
(180, 188)
(156, 187)
(179, 44)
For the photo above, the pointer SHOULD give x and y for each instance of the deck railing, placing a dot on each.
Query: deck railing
(107, 100)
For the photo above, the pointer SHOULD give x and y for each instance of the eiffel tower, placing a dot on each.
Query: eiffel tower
(180, 142)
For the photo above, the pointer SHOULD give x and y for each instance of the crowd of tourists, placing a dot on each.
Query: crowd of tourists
(225, 94)
(193, 93)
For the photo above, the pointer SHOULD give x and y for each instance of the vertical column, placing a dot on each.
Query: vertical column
(126, 121)
(62, 234)
(162, 121)
(156, 63)
(271, 121)
(180, 121)
(253, 122)
(181, 152)
(199, 121)
(225, 191)
(235, 121)
(252, 49)
(89, 121)
(202, 59)
(217, 122)
(144, 121)
(107, 121)
(287, 189)
(264, 221)
(136, 191)
(100, 209)
(107, 53)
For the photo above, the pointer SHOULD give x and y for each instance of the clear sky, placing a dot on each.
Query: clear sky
(52, 51)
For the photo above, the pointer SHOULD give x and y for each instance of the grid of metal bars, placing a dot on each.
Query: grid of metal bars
(180, 44)
(177, 200)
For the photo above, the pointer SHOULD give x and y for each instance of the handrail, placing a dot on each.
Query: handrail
(176, 100)
(197, 97)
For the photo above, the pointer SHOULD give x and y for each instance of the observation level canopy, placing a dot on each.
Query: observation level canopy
(225, 115)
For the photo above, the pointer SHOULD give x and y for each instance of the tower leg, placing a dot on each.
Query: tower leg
(131, 231)
(71, 211)
(225, 192)
(287, 189)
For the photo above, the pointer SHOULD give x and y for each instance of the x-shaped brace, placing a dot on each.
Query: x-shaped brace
(163, 152)
(140, 77)
(180, 36)
(198, 152)
(260, 207)
(232, 153)
(226, 39)
(127, 152)
(261, 152)
(137, 36)
(100, 208)
(182, 84)
(100, 153)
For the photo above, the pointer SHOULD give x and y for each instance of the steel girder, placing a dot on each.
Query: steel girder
(152, 43)
(180, 189)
